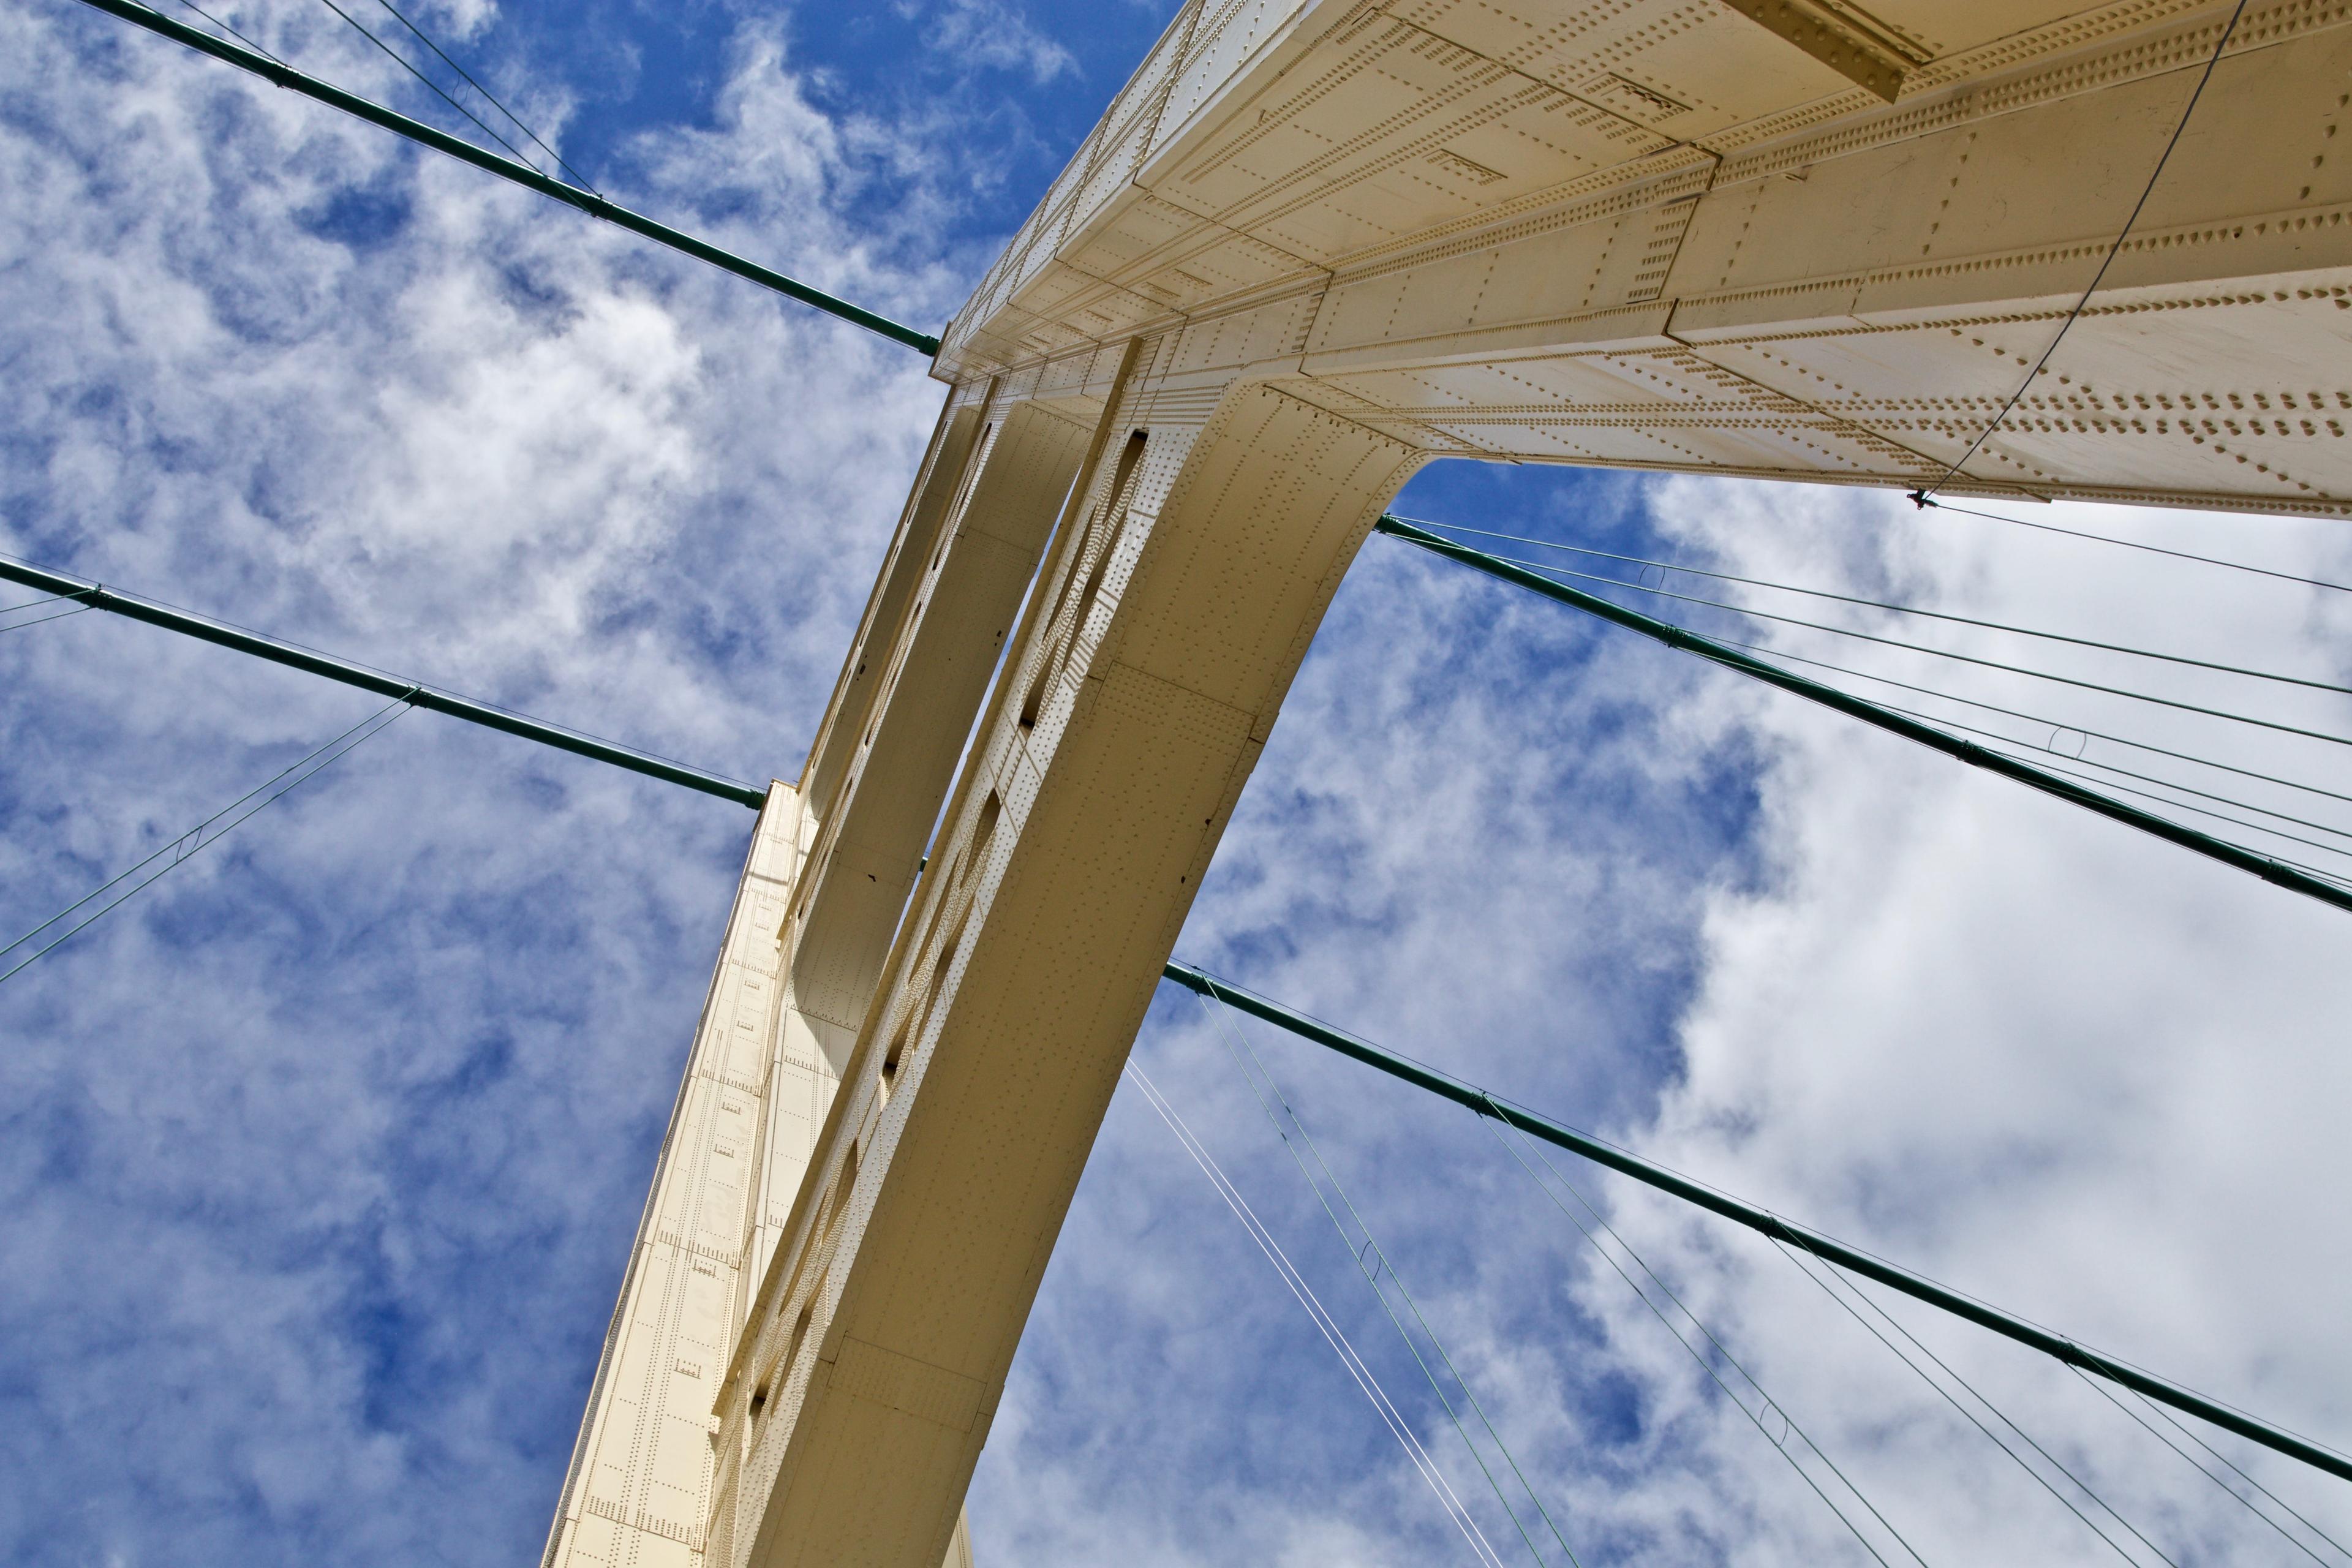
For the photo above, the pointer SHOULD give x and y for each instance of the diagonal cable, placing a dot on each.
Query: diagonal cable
(1329, 1326)
(2135, 544)
(430, 85)
(2247, 1503)
(2026, 671)
(1990, 1435)
(2057, 727)
(1451, 1415)
(1371, 1275)
(1706, 1366)
(577, 177)
(195, 841)
(2176, 1424)
(1641, 585)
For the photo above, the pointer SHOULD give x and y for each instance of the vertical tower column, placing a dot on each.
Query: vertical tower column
(638, 1490)
(1141, 685)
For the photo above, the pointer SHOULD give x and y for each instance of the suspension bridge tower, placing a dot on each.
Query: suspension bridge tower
(2024, 249)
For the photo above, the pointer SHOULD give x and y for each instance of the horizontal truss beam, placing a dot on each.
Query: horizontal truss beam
(521, 174)
(1887, 719)
(1763, 1221)
(100, 597)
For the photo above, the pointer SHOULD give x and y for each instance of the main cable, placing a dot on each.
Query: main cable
(1755, 1417)
(422, 37)
(520, 172)
(1925, 495)
(97, 595)
(1643, 588)
(1972, 1416)
(1983, 1314)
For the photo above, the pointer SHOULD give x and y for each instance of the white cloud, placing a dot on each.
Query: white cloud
(316, 1166)
(318, 1161)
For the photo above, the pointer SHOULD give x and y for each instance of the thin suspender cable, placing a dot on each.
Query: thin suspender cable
(2235, 1496)
(1373, 1277)
(1896, 1324)
(2037, 748)
(194, 842)
(1993, 1437)
(1327, 1326)
(2040, 751)
(515, 169)
(1940, 506)
(2056, 726)
(1958, 657)
(1755, 1417)
(2135, 544)
(430, 85)
(1944, 1299)
(2270, 869)
(1881, 605)
(577, 177)
(2174, 1422)
(1924, 495)
(2064, 770)
(42, 620)
(225, 27)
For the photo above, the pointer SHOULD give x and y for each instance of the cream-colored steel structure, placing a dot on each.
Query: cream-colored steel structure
(1309, 247)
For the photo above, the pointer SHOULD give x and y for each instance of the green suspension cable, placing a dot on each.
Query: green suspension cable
(2265, 866)
(1373, 1277)
(1755, 1417)
(522, 174)
(1763, 1221)
(1893, 609)
(97, 596)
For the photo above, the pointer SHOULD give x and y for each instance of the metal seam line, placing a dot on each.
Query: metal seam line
(519, 173)
(1763, 1221)
(98, 597)
(1923, 497)
(2205, 844)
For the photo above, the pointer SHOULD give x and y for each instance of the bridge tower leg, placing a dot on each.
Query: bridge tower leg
(1202, 544)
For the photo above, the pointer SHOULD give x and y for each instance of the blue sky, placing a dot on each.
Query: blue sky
(319, 1162)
